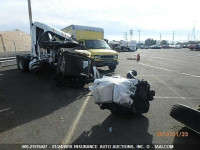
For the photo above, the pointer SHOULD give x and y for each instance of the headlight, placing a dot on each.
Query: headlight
(115, 56)
(96, 56)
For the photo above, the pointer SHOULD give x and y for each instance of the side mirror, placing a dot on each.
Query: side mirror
(81, 42)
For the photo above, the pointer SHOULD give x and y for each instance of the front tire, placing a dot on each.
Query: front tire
(23, 63)
(112, 67)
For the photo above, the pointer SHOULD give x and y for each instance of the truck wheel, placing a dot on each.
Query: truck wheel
(188, 116)
(112, 67)
(23, 63)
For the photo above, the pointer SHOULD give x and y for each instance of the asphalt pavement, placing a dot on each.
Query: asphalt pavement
(33, 110)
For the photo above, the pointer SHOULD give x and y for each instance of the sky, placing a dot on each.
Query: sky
(152, 17)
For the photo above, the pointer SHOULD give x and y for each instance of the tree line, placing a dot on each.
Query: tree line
(150, 42)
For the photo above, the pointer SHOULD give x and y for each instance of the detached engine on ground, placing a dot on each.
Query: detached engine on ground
(122, 95)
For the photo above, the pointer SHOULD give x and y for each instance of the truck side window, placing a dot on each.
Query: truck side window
(39, 32)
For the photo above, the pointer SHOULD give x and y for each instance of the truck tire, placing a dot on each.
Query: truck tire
(23, 62)
(112, 67)
(188, 116)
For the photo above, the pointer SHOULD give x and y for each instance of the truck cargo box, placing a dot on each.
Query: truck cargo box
(84, 32)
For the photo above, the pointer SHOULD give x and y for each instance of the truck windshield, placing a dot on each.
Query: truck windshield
(96, 44)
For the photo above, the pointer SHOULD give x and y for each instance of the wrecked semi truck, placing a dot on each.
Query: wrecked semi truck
(93, 39)
(57, 50)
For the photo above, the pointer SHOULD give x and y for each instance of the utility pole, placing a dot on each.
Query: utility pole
(188, 37)
(30, 15)
(173, 38)
(194, 32)
(131, 34)
(31, 25)
(160, 38)
(139, 36)
(125, 36)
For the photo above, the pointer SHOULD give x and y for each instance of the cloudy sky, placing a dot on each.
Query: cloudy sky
(151, 17)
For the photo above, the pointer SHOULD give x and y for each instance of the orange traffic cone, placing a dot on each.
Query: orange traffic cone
(138, 57)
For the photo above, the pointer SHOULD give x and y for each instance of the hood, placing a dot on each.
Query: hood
(102, 52)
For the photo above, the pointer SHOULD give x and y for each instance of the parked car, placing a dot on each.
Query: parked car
(184, 46)
(194, 47)
(155, 47)
(166, 46)
(177, 47)
(144, 47)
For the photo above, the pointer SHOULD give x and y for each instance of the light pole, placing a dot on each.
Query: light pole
(30, 15)
(173, 38)
(139, 36)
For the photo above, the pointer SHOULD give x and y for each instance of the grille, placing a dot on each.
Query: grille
(106, 57)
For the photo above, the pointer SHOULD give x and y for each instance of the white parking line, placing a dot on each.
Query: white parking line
(187, 74)
(162, 75)
(174, 91)
(74, 125)
(173, 60)
(156, 75)
(168, 97)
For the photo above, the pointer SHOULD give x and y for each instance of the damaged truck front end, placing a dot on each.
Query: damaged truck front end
(54, 48)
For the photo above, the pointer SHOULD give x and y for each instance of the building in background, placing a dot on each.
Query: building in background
(16, 40)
